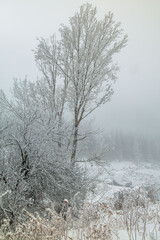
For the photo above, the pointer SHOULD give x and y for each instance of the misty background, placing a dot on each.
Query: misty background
(134, 107)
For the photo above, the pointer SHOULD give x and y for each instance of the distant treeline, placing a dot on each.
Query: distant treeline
(122, 146)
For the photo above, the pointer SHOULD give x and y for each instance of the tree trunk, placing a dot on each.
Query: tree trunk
(74, 148)
(59, 132)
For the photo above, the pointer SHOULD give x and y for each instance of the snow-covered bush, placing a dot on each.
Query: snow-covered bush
(34, 160)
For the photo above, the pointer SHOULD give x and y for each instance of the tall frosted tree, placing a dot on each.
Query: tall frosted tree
(84, 63)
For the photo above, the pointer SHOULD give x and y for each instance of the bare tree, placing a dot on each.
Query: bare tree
(90, 44)
(83, 62)
(48, 57)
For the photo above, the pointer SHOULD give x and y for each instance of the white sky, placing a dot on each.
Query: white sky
(135, 106)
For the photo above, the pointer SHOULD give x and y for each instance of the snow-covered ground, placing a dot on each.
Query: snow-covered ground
(138, 174)
(118, 176)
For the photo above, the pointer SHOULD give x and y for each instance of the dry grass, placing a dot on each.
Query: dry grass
(101, 221)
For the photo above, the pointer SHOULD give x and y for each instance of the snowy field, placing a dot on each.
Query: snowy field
(118, 175)
(128, 176)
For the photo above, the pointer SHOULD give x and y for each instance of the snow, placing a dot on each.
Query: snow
(151, 234)
(138, 174)
(120, 175)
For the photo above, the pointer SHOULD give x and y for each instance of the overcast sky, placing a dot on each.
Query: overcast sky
(135, 105)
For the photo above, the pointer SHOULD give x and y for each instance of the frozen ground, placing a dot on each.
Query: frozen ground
(127, 175)
(120, 175)
(136, 174)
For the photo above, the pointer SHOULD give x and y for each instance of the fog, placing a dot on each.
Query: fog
(135, 104)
